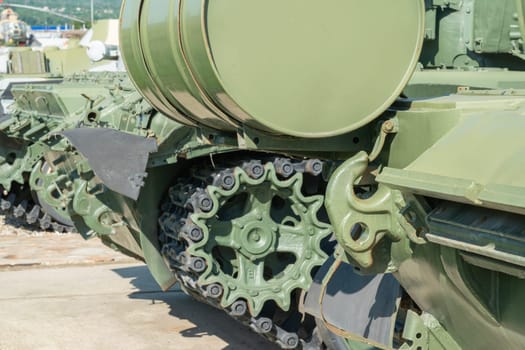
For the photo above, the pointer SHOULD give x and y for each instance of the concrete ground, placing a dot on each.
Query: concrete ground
(50, 249)
(94, 298)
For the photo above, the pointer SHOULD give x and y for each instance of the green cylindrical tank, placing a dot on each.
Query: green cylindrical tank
(520, 5)
(229, 64)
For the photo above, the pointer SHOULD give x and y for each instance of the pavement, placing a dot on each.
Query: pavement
(51, 249)
(57, 293)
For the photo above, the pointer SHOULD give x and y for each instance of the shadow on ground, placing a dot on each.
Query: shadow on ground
(208, 321)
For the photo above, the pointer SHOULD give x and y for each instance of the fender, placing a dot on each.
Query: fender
(122, 162)
(370, 303)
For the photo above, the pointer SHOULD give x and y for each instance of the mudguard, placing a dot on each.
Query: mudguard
(355, 306)
(122, 162)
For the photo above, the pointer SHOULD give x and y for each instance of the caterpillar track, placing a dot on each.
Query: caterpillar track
(16, 199)
(231, 248)
(20, 205)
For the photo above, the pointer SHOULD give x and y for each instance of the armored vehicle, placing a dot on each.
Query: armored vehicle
(272, 158)
(49, 67)
(475, 44)
(14, 32)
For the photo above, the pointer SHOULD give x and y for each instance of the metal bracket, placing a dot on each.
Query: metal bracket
(360, 224)
(425, 332)
(390, 126)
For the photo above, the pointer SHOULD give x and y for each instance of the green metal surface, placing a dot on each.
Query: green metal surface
(467, 176)
(430, 190)
(26, 63)
(474, 33)
(364, 224)
(180, 86)
(245, 236)
(134, 61)
(68, 186)
(425, 332)
(11, 165)
(275, 248)
(442, 215)
(429, 83)
(480, 308)
(155, 188)
(215, 50)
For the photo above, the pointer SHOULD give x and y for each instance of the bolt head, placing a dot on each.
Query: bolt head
(239, 308)
(198, 265)
(265, 325)
(388, 126)
(205, 203)
(196, 234)
(228, 181)
(292, 341)
(215, 290)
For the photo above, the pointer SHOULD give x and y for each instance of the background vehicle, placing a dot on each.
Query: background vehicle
(276, 173)
(14, 32)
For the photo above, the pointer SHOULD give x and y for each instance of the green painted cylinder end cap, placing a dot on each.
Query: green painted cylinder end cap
(297, 67)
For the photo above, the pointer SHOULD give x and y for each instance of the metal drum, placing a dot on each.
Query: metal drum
(298, 67)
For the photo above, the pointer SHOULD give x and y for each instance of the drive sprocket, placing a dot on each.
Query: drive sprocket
(246, 235)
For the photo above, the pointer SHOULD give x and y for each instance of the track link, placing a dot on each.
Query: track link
(20, 206)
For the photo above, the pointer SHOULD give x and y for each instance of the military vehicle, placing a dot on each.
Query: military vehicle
(13, 31)
(270, 157)
(475, 44)
(97, 51)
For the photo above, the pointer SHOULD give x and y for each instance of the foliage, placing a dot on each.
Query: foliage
(78, 8)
